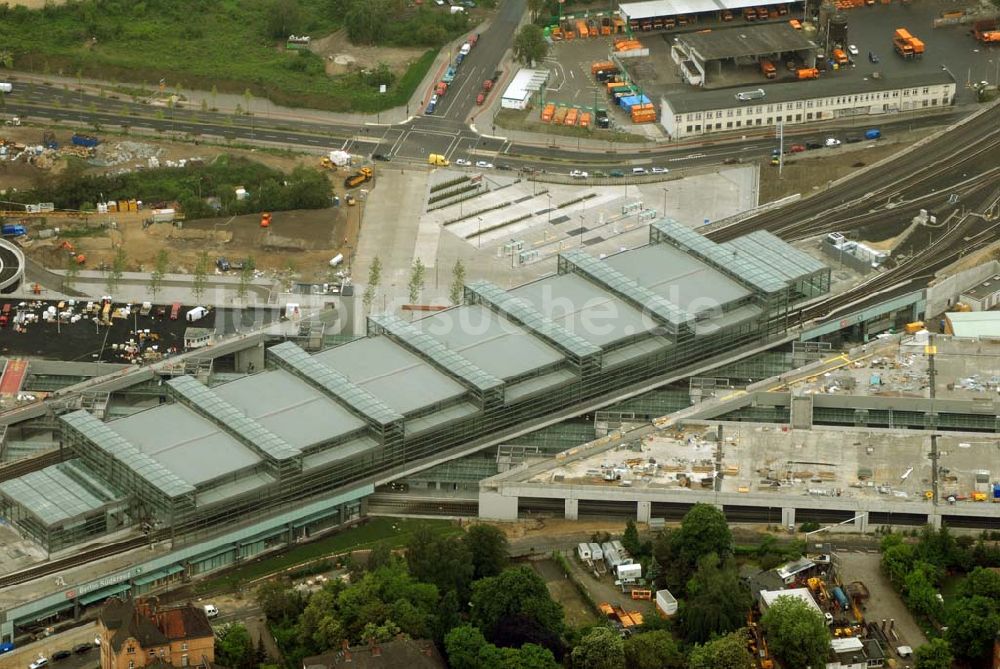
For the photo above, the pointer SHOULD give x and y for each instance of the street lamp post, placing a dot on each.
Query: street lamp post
(479, 234)
(665, 191)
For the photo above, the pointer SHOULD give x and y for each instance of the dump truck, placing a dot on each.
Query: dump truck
(359, 177)
(437, 160)
(986, 31)
(768, 69)
(807, 73)
(602, 65)
(571, 117)
(840, 57)
(905, 44)
(547, 112)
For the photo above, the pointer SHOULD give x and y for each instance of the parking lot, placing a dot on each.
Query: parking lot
(870, 29)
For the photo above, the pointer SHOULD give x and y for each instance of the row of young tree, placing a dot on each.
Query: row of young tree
(115, 270)
(970, 619)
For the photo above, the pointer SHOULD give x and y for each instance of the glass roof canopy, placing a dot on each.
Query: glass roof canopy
(115, 446)
(435, 351)
(221, 411)
(620, 284)
(523, 312)
(745, 266)
(54, 494)
(334, 383)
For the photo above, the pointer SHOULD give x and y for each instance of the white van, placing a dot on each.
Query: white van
(211, 611)
(196, 314)
(638, 171)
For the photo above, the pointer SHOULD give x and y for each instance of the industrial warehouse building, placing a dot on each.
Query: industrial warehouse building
(524, 88)
(700, 54)
(696, 113)
(666, 14)
(313, 425)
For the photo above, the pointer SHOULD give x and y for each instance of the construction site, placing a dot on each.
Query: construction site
(298, 245)
(886, 435)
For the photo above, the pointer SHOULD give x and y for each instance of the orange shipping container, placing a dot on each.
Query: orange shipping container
(601, 65)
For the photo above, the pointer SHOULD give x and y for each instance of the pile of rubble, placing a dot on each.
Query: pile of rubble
(108, 155)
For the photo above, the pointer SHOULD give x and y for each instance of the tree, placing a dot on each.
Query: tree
(319, 628)
(796, 634)
(515, 607)
(728, 652)
(463, 646)
(981, 582)
(921, 595)
(717, 602)
(374, 277)
(489, 550)
(601, 648)
(114, 276)
(535, 7)
(246, 277)
(653, 650)
(379, 556)
(72, 271)
(280, 602)
(416, 285)
(234, 647)
(897, 561)
(704, 530)
(159, 270)
(530, 46)
(200, 275)
(457, 283)
(972, 627)
(630, 539)
(444, 561)
(935, 654)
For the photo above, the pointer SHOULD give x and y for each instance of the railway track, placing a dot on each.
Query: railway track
(968, 148)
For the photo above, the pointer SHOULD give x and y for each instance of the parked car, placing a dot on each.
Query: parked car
(482, 164)
(853, 139)
(659, 170)
(853, 50)
(381, 156)
(873, 57)
(223, 264)
(638, 171)
(61, 655)
(462, 162)
(82, 648)
(797, 148)
(617, 173)
(578, 174)
(505, 167)
(813, 145)
(832, 142)
(211, 611)
(39, 663)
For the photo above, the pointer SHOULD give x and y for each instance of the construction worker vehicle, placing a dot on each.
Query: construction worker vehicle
(361, 176)
(767, 67)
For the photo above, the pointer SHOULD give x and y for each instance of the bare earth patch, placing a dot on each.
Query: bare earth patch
(342, 57)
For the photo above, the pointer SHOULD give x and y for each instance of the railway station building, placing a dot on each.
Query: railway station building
(697, 113)
(316, 424)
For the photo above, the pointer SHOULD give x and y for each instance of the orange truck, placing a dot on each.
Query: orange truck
(906, 45)
(602, 65)
(571, 117)
(584, 120)
(986, 31)
(807, 73)
(581, 28)
(767, 67)
(840, 57)
(547, 112)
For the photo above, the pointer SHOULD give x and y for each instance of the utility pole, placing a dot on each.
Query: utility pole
(931, 351)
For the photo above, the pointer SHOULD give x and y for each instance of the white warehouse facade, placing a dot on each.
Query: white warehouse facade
(696, 113)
